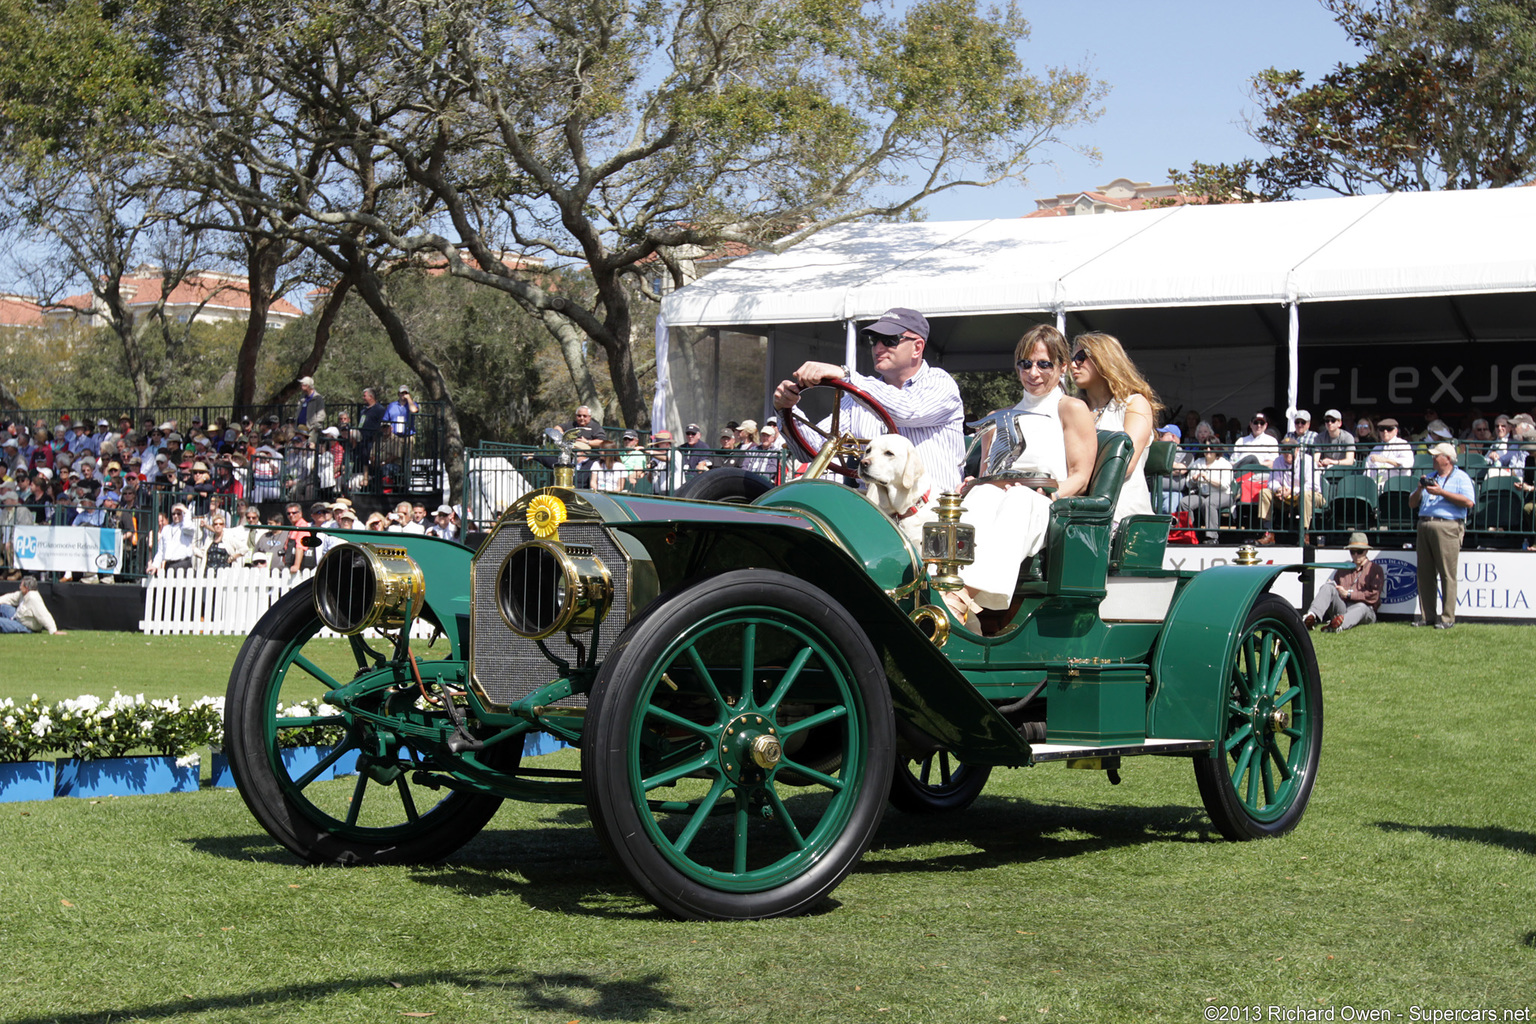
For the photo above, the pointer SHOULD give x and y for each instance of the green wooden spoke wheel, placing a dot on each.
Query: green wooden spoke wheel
(936, 783)
(1257, 781)
(740, 742)
(382, 816)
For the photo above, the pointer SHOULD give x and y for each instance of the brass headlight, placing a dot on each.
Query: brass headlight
(544, 587)
(358, 586)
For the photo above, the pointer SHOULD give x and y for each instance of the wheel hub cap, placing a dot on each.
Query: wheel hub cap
(749, 748)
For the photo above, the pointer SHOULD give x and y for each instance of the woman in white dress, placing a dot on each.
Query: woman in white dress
(1119, 399)
(1011, 519)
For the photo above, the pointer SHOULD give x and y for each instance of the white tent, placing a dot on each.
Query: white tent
(1214, 300)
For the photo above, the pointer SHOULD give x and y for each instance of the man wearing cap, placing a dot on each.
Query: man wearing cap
(198, 495)
(23, 611)
(923, 400)
(1258, 445)
(1442, 500)
(692, 448)
(631, 456)
(178, 542)
(1394, 456)
(1301, 431)
(1336, 446)
(442, 523)
(1172, 491)
(665, 464)
(311, 415)
(1353, 596)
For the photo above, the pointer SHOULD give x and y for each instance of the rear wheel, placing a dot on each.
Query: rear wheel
(936, 783)
(739, 746)
(1257, 781)
(384, 816)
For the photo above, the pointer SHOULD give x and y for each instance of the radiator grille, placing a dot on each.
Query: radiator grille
(507, 666)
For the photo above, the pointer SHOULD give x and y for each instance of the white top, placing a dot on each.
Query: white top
(1135, 498)
(1045, 446)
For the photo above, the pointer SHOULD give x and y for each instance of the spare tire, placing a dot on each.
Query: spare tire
(728, 483)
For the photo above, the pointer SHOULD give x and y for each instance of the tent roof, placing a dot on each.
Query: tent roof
(1398, 245)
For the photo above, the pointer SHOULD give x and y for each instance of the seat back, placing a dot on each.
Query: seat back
(1077, 544)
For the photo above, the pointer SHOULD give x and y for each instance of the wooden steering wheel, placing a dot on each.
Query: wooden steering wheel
(842, 442)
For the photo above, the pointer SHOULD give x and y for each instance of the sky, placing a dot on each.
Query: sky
(1178, 76)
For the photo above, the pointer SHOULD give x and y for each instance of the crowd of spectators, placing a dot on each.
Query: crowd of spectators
(167, 485)
(1293, 463)
(625, 461)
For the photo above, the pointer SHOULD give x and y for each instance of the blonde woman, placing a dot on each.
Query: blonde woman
(1119, 399)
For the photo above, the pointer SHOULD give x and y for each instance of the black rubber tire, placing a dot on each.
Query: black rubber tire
(912, 795)
(627, 691)
(1276, 626)
(299, 825)
(728, 483)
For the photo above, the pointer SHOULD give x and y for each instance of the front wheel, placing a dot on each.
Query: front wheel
(385, 816)
(739, 748)
(1256, 783)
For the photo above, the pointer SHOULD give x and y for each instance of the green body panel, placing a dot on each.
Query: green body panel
(1098, 704)
(830, 535)
(444, 565)
(1192, 665)
(1140, 545)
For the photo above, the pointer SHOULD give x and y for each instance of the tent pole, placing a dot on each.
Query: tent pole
(1293, 346)
(663, 377)
(851, 344)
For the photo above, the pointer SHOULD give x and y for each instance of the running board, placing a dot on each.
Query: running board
(1040, 752)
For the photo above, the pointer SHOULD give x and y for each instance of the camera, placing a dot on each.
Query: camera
(1426, 481)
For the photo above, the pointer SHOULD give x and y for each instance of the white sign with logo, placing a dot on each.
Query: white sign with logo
(84, 549)
(1489, 584)
(1206, 556)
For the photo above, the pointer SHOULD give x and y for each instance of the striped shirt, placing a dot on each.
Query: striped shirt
(928, 412)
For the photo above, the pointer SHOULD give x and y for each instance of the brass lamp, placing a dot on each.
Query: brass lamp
(948, 544)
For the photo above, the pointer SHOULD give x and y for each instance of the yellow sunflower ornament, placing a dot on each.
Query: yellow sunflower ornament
(545, 514)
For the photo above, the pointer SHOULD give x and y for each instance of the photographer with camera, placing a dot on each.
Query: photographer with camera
(1442, 500)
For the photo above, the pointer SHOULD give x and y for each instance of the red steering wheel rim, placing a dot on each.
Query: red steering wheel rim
(791, 422)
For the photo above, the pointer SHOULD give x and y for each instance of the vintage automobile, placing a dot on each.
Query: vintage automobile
(749, 685)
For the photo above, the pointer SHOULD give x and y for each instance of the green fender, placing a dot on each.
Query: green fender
(1191, 666)
(445, 565)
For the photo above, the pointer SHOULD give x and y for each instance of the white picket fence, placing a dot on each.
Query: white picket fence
(223, 602)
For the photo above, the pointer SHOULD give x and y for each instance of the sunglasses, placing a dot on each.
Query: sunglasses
(1080, 356)
(1259, 420)
(1039, 364)
(888, 341)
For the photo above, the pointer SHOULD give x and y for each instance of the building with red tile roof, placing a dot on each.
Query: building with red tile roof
(200, 297)
(1119, 196)
(19, 311)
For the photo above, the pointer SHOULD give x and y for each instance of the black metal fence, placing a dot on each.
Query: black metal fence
(496, 475)
(1224, 501)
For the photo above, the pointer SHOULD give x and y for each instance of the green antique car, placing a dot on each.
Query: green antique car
(750, 684)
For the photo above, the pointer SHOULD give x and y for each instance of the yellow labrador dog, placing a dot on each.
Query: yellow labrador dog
(899, 485)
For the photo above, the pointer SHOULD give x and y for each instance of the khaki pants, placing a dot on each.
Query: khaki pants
(1439, 551)
(1309, 500)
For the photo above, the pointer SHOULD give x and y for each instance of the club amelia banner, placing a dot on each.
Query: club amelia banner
(84, 549)
(1489, 584)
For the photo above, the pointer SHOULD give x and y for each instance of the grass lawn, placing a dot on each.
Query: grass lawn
(1057, 897)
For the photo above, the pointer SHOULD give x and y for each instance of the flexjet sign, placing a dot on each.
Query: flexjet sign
(1367, 378)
